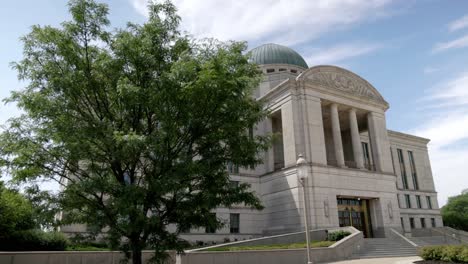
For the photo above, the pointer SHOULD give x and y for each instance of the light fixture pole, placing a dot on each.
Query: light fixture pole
(301, 171)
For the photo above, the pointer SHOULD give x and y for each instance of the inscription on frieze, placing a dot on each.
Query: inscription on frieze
(344, 82)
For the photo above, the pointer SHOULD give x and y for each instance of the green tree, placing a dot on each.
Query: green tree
(137, 123)
(455, 212)
(16, 212)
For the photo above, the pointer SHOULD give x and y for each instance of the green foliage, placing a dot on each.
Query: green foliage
(455, 212)
(338, 235)
(16, 213)
(45, 207)
(449, 253)
(34, 240)
(138, 124)
(313, 244)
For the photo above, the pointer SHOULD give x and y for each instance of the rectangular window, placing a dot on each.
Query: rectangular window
(232, 168)
(398, 199)
(402, 169)
(402, 223)
(413, 170)
(393, 161)
(234, 184)
(408, 201)
(423, 223)
(418, 201)
(209, 229)
(366, 154)
(429, 202)
(433, 222)
(234, 223)
(411, 222)
(278, 147)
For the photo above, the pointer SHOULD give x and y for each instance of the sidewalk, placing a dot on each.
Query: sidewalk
(398, 260)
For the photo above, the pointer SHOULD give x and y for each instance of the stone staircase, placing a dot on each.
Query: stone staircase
(385, 247)
(434, 240)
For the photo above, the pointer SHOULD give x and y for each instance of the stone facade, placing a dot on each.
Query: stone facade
(328, 114)
(357, 172)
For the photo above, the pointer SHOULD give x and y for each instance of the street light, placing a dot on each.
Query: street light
(301, 171)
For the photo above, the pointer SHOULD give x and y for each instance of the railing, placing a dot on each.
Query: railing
(351, 164)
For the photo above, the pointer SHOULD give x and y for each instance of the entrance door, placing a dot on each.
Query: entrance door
(355, 212)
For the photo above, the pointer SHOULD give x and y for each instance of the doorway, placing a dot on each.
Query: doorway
(355, 212)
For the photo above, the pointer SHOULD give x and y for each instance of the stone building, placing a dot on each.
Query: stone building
(357, 173)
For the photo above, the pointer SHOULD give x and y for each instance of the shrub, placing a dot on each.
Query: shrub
(338, 235)
(452, 253)
(34, 240)
(431, 253)
(463, 255)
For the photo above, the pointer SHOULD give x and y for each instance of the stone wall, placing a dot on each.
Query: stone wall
(71, 257)
(338, 251)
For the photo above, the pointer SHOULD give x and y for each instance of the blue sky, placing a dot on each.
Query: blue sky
(414, 52)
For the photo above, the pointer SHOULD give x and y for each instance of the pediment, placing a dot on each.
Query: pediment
(332, 77)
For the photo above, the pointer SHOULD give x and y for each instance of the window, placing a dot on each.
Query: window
(185, 230)
(418, 201)
(402, 223)
(398, 199)
(232, 168)
(423, 223)
(234, 184)
(210, 229)
(408, 201)
(411, 222)
(270, 70)
(433, 222)
(393, 161)
(402, 169)
(294, 71)
(251, 136)
(366, 154)
(413, 170)
(281, 69)
(429, 202)
(234, 223)
(278, 148)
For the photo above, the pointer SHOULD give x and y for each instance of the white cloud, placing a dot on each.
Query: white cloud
(340, 53)
(283, 22)
(458, 24)
(429, 70)
(447, 127)
(456, 43)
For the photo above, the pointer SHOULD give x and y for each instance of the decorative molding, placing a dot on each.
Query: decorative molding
(343, 81)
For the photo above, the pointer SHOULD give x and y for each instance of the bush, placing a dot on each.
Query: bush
(338, 235)
(34, 240)
(452, 253)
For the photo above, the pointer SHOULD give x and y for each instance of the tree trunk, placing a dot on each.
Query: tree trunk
(136, 254)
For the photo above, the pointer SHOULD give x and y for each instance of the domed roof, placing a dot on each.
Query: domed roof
(277, 54)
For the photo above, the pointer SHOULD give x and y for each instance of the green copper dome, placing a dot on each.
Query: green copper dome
(277, 54)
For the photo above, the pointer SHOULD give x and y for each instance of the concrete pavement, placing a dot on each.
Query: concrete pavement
(398, 260)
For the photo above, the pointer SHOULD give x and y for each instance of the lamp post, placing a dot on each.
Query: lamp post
(301, 171)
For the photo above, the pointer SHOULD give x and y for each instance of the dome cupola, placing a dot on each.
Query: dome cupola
(276, 54)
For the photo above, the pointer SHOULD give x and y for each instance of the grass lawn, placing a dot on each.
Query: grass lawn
(86, 248)
(314, 244)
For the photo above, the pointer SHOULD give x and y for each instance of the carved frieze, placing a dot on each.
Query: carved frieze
(343, 81)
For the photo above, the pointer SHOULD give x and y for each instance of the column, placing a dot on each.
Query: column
(338, 145)
(380, 144)
(356, 139)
